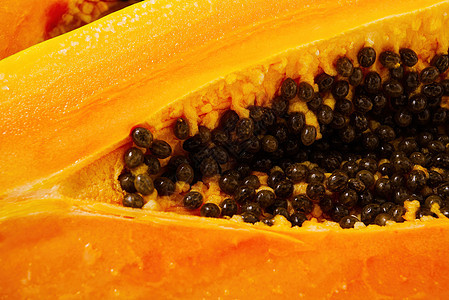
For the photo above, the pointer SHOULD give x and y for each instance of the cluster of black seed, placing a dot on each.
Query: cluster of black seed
(385, 144)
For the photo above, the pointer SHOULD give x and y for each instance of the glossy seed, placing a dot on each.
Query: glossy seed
(315, 191)
(432, 90)
(397, 73)
(382, 219)
(127, 182)
(389, 59)
(256, 113)
(252, 207)
(181, 129)
(228, 120)
(356, 77)
(441, 62)
(338, 212)
(228, 183)
(383, 188)
(417, 103)
(393, 88)
(164, 186)
(363, 104)
(429, 75)
(269, 143)
(432, 200)
(185, 173)
(344, 66)
(209, 167)
(397, 212)
(366, 177)
(366, 57)
(411, 81)
(305, 92)
(344, 106)
(337, 181)
(308, 135)
(315, 103)
(193, 144)
(348, 198)
(347, 134)
(284, 189)
(133, 157)
(133, 200)
(386, 133)
(408, 57)
(348, 222)
(372, 82)
(221, 156)
(244, 128)
(302, 203)
(193, 200)
(144, 184)
(244, 194)
(297, 219)
(324, 82)
(228, 207)
(204, 135)
(338, 120)
(340, 89)
(325, 115)
(210, 210)
(142, 137)
(359, 121)
(281, 211)
(154, 166)
(161, 149)
(248, 217)
(265, 198)
(252, 181)
(356, 185)
(295, 122)
(369, 213)
(288, 89)
(297, 172)
(403, 117)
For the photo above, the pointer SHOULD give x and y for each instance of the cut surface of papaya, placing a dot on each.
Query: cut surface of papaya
(69, 105)
(86, 251)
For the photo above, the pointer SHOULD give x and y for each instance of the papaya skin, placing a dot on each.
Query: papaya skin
(74, 122)
(52, 247)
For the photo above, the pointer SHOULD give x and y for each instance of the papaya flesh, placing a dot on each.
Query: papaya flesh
(90, 251)
(36, 21)
(64, 135)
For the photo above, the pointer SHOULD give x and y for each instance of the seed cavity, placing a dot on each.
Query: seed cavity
(383, 142)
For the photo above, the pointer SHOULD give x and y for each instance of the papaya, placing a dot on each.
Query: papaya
(36, 21)
(149, 81)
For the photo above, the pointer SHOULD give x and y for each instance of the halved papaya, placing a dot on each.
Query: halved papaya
(70, 103)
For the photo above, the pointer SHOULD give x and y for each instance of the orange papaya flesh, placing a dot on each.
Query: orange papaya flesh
(251, 77)
(55, 248)
(36, 21)
(68, 253)
(384, 274)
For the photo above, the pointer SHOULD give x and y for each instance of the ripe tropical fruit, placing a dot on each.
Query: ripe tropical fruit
(67, 138)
